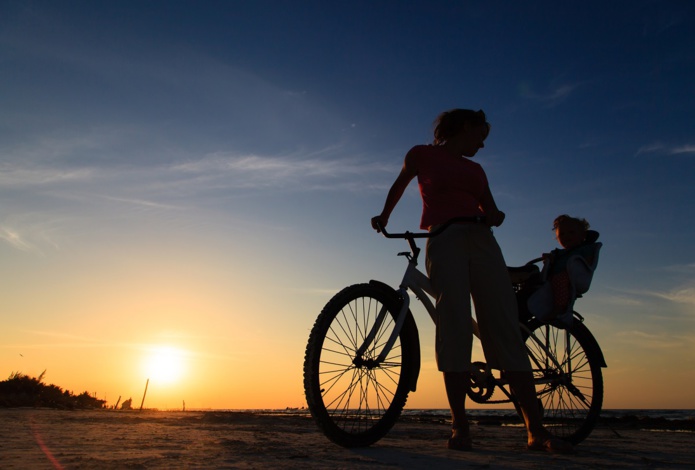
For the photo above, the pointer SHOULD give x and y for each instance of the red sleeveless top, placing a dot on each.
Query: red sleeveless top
(450, 186)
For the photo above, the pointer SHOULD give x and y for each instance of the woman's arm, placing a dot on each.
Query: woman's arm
(493, 216)
(408, 172)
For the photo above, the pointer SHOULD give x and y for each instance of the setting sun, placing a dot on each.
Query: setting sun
(164, 364)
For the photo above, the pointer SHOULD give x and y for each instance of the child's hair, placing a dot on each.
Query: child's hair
(564, 218)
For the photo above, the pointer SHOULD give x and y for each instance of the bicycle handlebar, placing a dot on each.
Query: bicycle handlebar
(435, 232)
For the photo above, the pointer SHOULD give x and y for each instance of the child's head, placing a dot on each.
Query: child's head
(570, 231)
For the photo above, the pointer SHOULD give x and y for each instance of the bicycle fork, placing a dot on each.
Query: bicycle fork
(411, 275)
(376, 328)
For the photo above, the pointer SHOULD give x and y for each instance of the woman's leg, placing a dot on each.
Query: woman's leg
(447, 267)
(457, 384)
(522, 386)
(539, 438)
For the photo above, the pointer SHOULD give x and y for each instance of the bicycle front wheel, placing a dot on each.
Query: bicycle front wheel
(569, 383)
(357, 400)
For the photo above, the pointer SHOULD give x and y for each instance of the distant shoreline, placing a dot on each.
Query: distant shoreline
(665, 413)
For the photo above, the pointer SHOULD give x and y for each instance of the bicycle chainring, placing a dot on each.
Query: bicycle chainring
(482, 384)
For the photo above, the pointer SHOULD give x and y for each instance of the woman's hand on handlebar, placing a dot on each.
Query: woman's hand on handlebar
(379, 222)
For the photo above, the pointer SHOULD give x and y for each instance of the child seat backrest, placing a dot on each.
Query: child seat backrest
(581, 271)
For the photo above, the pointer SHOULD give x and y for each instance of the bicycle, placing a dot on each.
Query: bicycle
(363, 358)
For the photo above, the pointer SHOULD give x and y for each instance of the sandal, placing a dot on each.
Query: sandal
(552, 445)
(459, 441)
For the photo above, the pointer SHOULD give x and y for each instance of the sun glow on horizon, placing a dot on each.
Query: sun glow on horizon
(165, 364)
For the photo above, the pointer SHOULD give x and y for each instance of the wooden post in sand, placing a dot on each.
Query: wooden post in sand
(144, 394)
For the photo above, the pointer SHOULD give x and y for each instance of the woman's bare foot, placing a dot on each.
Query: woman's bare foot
(460, 439)
(546, 442)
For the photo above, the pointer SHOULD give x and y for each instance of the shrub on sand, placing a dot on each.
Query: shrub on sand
(21, 390)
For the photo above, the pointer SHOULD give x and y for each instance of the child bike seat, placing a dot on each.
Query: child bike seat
(580, 270)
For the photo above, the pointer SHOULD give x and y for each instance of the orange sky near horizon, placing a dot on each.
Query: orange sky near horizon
(248, 368)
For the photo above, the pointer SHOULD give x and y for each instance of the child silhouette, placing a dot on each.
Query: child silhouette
(571, 233)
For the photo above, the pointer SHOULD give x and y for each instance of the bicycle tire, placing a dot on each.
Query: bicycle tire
(353, 404)
(570, 397)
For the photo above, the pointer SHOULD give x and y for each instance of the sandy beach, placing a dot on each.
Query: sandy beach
(100, 439)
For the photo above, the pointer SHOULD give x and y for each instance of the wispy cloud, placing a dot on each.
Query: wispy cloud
(682, 289)
(627, 299)
(658, 341)
(45, 144)
(15, 239)
(551, 96)
(689, 148)
(48, 203)
(651, 148)
(16, 175)
(141, 202)
(662, 149)
(296, 173)
(681, 268)
(682, 295)
(330, 168)
(31, 232)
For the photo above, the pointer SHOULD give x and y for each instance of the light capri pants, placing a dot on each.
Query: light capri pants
(465, 262)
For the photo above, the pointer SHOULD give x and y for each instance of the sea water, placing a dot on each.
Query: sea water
(647, 414)
(670, 415)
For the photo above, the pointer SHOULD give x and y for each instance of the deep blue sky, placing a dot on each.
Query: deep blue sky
(207, 170)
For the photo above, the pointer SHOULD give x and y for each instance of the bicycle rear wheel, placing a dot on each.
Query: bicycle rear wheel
(356, 400)
(569, 383)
